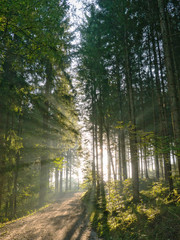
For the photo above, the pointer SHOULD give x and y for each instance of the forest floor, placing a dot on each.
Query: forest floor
(65, 219)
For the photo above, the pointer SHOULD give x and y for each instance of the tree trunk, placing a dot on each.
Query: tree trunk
(93, 144)
(70, 170)
(101, 146)
(145, 164)
(133, 138)
(121, 135)
(2, 159)
(174, 162)
(171, 78)
(120, 156)
(67, 172)
(61, 181)
(141, 170)
(123, 149)
(93, 161)
(56, 180)
(16, 171)
(44, 171)
(161, 166)
(111, 163)
(156, 162)
(96, 149)
(163, 117)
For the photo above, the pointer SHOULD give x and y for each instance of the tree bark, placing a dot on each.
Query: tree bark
(133, 138)
(70, 170)
(101, 148)
(120, 156)
(171, 78)
(121, 135)
(44, 170)
(56, 180)
(111, 163)
(163, 117)
(67, 171)
(61, 181)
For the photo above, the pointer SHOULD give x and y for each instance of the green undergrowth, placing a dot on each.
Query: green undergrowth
(113, 214)
(29, 207)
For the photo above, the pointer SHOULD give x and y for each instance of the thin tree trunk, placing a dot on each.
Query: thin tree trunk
(174, 162)
(141, 171)
(121, 135)
(156, 162)
(161, 166)
(67, 171)
(145, 164)
(101, 148)
(70, 171)
(111, 163)
(120, 157)
(61, 181)
(93, 161)
(2, 162)
(16, 172)
(56, 180)
(93, 144)
(116, 160)
(96, 149)
(123, 149)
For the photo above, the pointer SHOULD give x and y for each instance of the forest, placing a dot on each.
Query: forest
(97, 99)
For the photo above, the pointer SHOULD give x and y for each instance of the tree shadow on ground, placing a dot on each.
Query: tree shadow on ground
(81, 220)
(100, 219)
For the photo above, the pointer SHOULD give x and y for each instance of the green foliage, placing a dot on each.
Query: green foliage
(38, 122)
(58, 162)
(13, 141)
(155, 217)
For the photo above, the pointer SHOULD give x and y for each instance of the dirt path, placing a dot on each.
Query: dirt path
(63, 220)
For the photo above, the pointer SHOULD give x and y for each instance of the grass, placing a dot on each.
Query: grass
(27, 215)
(114, 215)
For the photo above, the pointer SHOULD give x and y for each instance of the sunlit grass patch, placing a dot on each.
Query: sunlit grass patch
(156, 216)
(27, 214)
(151, 213)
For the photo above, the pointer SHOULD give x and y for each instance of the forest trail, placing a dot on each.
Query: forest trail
(65, 219)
